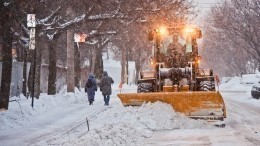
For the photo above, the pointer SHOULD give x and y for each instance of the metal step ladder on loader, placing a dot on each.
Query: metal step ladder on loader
(175, 77)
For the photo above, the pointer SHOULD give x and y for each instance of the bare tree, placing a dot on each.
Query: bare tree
(234, 38)
(7, 38)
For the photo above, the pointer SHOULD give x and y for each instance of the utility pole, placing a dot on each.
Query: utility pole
(31, 24)
(70, 62)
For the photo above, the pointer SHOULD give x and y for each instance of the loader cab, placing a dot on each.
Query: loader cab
(174, 42)
(174, 50)
(175, 46)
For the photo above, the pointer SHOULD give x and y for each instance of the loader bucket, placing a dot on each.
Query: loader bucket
(198, 104)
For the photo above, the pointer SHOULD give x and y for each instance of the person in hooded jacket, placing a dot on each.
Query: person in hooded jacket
(91, 88)
(105, 87)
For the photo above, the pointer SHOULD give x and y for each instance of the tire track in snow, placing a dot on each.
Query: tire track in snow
(242, 118)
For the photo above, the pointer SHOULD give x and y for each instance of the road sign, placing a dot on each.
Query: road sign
(32, 39)
(31, 21)
(80, 37)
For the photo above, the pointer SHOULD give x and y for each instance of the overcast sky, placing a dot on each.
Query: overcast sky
(204, 6)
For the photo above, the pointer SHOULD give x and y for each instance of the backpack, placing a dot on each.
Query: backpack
(89, 83)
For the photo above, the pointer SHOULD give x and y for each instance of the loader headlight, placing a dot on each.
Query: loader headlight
(188, 30)
(162, 31)
(192, 31)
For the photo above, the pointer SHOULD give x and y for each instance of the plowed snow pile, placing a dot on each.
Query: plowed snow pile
(131, 125)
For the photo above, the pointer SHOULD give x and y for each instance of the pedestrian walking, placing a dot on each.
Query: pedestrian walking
(91, 88)
(105, 87)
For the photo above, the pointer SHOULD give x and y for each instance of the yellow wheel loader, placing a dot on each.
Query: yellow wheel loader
(175, 77)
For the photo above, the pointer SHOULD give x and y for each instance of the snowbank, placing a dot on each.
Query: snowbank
(132, 125)
(232, 85)
(20, 112)
(241, 84)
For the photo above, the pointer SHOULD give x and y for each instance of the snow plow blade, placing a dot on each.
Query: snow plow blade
(198, 105)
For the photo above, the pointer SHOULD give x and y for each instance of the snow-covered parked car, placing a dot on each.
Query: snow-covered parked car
(255, 91)
(249, 79)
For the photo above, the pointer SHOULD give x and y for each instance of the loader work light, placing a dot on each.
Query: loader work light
(199, 58)
(198, 33)
(152, 62)
(151, 35)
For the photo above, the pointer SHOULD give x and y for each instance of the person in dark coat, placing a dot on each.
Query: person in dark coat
(105, 87)
(91, 88)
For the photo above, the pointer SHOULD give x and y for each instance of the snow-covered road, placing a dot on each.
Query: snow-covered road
(243, 116)
(150, 124)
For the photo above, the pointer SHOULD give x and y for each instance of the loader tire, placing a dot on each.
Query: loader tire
(207, 86)
(145, 87)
